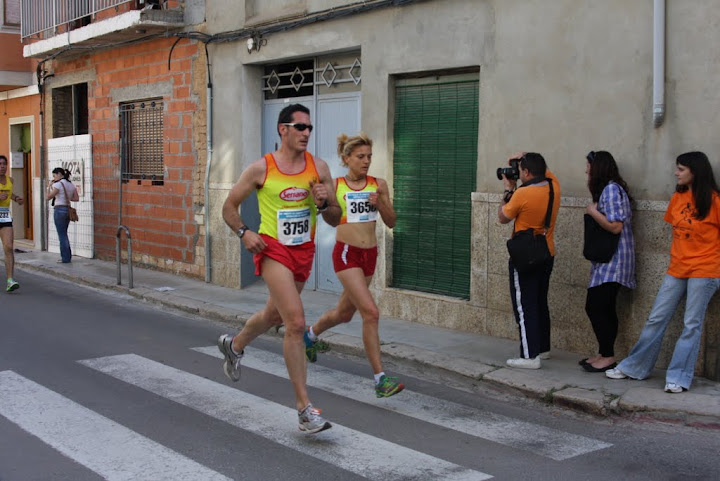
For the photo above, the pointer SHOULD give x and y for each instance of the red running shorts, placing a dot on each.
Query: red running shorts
(346, 257)
(299, 259)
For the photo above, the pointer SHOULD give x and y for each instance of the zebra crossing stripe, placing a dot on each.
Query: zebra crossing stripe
(541, 440)
(113, 451)
(346, 448)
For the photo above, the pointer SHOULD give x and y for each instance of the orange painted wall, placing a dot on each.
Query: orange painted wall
(160, 218)
(20, 107)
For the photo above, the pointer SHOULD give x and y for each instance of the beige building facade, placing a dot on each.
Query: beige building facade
(559, 77)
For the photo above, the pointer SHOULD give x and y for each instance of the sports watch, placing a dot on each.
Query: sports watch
(241, 231)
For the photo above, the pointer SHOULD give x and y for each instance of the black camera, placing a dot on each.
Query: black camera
(512, 172)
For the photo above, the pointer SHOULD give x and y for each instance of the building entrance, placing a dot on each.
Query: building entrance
(330, 88)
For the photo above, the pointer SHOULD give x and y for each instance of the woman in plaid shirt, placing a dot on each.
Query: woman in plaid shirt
(611, 209)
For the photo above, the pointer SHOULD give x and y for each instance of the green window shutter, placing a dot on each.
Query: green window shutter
(435, 160)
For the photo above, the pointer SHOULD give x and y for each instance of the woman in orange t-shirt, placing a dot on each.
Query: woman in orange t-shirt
(694, 272)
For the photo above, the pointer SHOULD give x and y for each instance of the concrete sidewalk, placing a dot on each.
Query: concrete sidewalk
(560, 381)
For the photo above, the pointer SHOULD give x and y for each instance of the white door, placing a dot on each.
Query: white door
(335, 115)
(330, 88)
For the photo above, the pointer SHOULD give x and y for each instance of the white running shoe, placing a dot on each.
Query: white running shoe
(231, 366)
(544, 355)
(310, 421)
(523, 363)
(615, 373)
(672, 387)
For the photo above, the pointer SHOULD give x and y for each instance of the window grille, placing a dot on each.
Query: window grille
(141, 139)
(331, 74)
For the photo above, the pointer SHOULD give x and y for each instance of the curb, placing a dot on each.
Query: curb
(632, 404)
(593, 402)
(520, 382)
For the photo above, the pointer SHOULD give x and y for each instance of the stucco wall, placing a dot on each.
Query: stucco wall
(560, 77)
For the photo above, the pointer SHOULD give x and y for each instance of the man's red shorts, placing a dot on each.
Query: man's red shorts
(299, 259)
(346, 257)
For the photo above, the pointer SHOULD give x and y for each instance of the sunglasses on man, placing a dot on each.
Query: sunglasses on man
(300, 127)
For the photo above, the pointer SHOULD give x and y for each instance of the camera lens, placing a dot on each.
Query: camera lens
(509, 172)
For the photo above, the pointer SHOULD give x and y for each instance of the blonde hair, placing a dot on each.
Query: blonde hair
(345, 144)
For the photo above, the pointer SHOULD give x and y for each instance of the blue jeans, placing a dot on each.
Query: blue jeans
(62, 222)
(644, 354)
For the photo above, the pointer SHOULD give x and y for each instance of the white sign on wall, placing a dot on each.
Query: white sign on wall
(17, 160)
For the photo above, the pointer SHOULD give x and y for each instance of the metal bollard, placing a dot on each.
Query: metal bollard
(119, 259)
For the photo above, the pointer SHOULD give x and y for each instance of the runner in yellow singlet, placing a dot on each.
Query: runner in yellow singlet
(6, 226)
(361, 197)
(292, 186)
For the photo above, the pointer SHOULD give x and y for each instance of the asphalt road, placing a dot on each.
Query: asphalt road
(101, 386)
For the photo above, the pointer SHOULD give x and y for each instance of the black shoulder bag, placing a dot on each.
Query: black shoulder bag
(528, 250)
(600, 245)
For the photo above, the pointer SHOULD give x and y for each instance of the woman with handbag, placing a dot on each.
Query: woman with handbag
(62, 192)
(694, 273)
(610, 210)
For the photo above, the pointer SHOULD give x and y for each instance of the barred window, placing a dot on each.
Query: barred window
(141, 139)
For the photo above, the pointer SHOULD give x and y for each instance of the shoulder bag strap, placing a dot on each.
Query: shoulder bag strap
(548, 215)
(68, 198)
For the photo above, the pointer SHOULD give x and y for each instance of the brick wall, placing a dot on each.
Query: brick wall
(161, 218)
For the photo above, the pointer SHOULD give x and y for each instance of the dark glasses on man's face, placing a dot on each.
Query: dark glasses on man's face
(300, 127)
(590, 156)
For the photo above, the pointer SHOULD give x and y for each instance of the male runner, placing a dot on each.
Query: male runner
(291, 186)
(6, 226)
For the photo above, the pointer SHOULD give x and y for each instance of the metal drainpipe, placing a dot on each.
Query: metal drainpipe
(658, 63)
(120, 180)
(43, 171)
(209, 115)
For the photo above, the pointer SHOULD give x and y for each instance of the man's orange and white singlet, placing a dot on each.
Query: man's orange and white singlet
(287, 208)
(355, 204)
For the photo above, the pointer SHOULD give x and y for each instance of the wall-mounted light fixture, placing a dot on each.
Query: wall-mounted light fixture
(255, 42)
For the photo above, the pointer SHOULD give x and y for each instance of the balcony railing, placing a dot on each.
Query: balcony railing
(46, 18)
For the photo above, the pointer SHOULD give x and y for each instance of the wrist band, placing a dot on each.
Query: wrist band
(323, 207)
